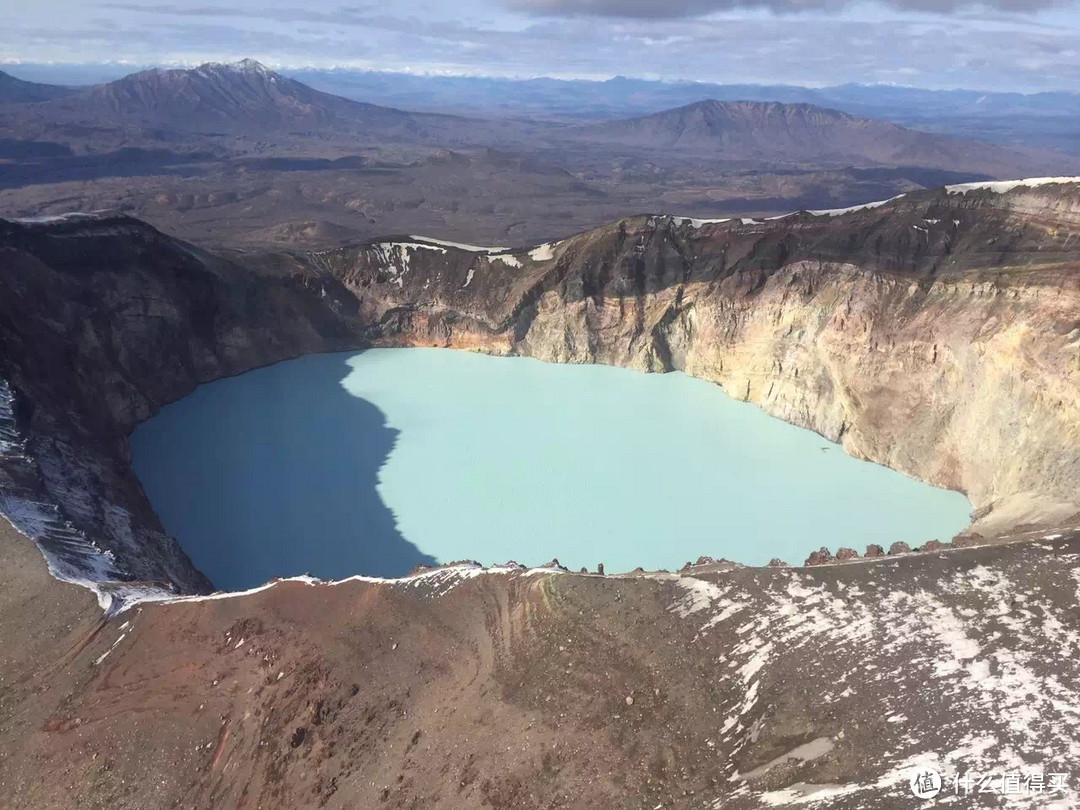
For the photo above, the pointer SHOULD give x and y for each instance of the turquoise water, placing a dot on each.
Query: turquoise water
(374, 462)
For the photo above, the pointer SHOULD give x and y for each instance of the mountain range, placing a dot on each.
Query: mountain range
(248, 98)
(230, 153)
(1047, 119)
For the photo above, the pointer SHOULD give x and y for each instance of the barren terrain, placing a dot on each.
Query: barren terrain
(935, 333)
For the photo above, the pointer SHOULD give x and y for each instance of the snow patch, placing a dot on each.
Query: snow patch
(698, 223)
(438, 582)
(1004, 186)
(839, 212)
(543, 253)
(460, 245)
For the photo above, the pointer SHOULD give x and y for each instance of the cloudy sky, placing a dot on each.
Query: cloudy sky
(1001, 44)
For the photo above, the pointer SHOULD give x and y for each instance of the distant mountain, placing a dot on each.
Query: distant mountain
(1041, 119)
(790, 133)
(155, 107)
(16, 90)
(226, 98)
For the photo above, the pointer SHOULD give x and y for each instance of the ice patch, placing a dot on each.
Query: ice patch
(700, 594)
(543, 253)
(839, 212)
(460, 245)
(438, 582)
(1004, 186)
(698, 223)
(105, 654)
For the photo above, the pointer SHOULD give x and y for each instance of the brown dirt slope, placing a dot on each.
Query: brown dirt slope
(463, 689)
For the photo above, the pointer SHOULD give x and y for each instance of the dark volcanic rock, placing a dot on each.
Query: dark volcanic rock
(820, 557)
(874, 550)
(181, 318)
(846, 554)
(776, 562)
(554, 563)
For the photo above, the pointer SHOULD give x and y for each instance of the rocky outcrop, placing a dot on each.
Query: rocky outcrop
(936, 334)
(103, 321)
(820, 557)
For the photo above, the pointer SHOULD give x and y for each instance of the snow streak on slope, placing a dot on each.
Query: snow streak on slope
(974, 669)
(70, 555)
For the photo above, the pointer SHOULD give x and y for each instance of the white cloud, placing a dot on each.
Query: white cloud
(828, 42)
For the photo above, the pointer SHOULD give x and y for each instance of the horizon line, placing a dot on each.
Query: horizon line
(480, 76)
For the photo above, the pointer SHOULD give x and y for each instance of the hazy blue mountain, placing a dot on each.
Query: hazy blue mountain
(18, 90)
(1040, 119)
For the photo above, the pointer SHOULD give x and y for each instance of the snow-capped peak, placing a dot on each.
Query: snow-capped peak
(248, 66)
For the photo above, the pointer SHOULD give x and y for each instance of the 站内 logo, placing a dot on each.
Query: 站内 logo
(926, 783)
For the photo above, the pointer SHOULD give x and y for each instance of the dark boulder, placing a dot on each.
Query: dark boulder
(820, 557)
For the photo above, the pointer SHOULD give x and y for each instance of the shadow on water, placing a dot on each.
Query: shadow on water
(273, 473)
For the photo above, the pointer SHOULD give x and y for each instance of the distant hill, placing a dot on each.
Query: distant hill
(17, 90)
(775, 132)
(244, 108)
(1049, 119)
(230, 98)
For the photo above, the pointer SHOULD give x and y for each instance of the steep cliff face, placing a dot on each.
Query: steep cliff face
(937, 334)
(102, 321)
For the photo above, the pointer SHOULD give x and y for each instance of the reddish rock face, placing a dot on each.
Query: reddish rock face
(847, 554)
(819, 557)
(932, 545)
(899, 547)
(874, 550)
(776, 562)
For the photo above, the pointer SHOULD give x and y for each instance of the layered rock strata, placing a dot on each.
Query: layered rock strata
(936, 334)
